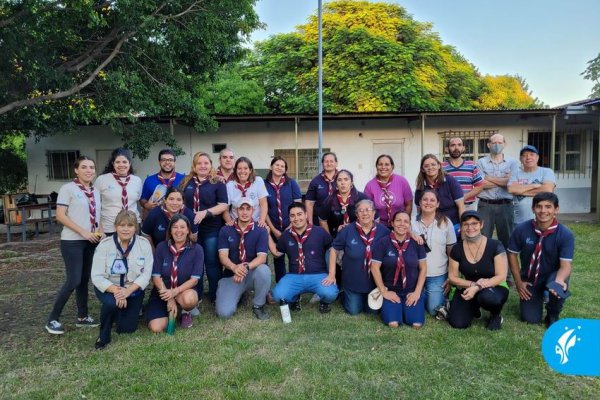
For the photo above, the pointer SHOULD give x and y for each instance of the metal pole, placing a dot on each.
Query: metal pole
(296, 150)
(553, 143)
(422, 135)
(320, 84)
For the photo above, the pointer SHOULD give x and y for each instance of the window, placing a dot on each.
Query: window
(475, 142)
(217, 147)
(568, 149)
(308, 163)
(60, 164)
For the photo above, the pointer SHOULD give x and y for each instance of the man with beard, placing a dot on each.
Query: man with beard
(156, 186)
(465, 172)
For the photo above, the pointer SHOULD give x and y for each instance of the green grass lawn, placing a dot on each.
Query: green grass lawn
(316, 356)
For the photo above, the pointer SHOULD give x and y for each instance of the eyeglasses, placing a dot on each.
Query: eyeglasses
(167, 160)
(471, 224)
(364, 210)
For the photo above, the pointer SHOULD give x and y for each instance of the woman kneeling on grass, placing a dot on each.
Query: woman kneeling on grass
(399, 269)
(478, 269)
(121, 271)
(178, 265)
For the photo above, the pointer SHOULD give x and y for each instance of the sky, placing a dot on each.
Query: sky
(547, 42)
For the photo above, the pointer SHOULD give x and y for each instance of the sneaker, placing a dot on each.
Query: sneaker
(550, 319)
(86, 322)
(195, 312)
(495, 322)
(441, 313)
(54, 327)
(315, 298)
(186, 320)
(100, 345)
(546, 297)
(324, 308)
(260, 313)
(295, 306)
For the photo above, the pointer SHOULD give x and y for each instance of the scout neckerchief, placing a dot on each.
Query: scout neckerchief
(367, 241)
(387, 197)
(330, 182)
(243, 188)
(300, 239)
(400, 266)
(344, 206)
(277, 188)
(199, 182)
(123, 184)
(176, 254)
(222, 176)
(536, 257)
(124, 254)
(89, 194)
(169, 214)
(168, 182)
(242, 234)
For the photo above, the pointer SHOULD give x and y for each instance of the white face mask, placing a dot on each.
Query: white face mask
(496, 148)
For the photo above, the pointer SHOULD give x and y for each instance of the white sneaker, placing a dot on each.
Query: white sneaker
(315, 299)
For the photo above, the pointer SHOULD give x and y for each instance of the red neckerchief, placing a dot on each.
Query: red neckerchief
(277, 188)
(300, 239)
(222, 177)
(176, 254)
(198, 183)
(400, 266)
(367, 241)
(330, 182)
(242, 234)
(124, 196)
(387, 197)
(344, 206)
(244, 188)
(89, 193)
(168, 183)
(433, 185)
(168, 214)
(536, 256)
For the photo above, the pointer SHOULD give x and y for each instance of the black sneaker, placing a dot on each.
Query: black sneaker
(100, 345)
(54, 327)
(495, 322)
(550, 319)
(441, 313)
(295, 306)
(260, 313)
(86, 322)
(324, 308)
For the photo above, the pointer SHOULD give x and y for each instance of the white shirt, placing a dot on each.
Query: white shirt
(437, 239)
(78, 209)
(110, 193)
(255, 192)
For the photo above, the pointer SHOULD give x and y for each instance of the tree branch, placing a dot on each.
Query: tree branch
(90, 54)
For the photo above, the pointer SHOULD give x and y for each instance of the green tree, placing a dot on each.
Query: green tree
(113, 62)
(13, 168)
(592, 73)
(376, 58)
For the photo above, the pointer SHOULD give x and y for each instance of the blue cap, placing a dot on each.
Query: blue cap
(530, 148)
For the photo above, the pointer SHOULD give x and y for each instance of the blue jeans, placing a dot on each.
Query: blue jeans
(354, 303)
(435, 292)
(291, 286)
(403, 314)
(212, 266)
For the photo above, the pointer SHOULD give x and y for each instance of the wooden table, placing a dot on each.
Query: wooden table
(26, 217)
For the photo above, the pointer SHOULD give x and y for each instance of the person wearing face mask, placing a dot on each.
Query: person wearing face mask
(495, 202)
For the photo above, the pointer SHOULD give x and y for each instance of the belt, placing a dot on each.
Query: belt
(499, 201)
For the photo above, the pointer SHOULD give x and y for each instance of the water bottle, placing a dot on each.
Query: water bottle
(285, 312)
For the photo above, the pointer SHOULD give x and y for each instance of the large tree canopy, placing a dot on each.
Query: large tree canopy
(376, 58)
(112, 61)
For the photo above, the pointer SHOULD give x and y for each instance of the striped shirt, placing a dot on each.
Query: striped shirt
(467, 175)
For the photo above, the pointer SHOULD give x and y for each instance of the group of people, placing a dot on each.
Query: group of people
(370, 249)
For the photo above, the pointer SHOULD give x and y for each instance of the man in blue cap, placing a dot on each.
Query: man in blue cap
(527, 181)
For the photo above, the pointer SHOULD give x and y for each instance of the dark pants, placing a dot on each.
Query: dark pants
(531, 310)
(212, 266)
(125, 318)
(499, 216)
(279, 263)
(463, 311)
(78, 256)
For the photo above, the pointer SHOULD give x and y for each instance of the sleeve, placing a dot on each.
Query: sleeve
(406, 192)
(98, 275)
(296, 192)
(339, 243)
(222, 243)
(137, 188)
(477, 176)
(369, 191)
(158, 259)
(149, 223)
(548, 176)
(146, 250)
(311, 193)
(198, 267)
(499, 249)
(146, 189)
(481, 167)
(281, 243)
(514, 175)
(262, 244)
(230, 189)
(455, 189)
(421, 254)
(450, 232)
(189, 214)
(455, 254)
(566, 248)
(64, 196)
(222, 195)
(515, 243)
(378, 251)
(261, 189)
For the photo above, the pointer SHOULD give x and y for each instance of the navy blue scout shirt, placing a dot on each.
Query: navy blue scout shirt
(156, 223)
(385, 252)
(255, 242)
(355, 276)
(560, 245)
(448, 192)
(152, 181)
(314, 248)
(318, 190)
(211, 194)
(289, 192)
(331, 211)
(189, 265)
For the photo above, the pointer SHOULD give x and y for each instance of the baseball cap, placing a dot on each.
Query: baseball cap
(244, 200)
(470, 214)
(530, 148)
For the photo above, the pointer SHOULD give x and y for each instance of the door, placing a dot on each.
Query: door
(393, 148)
